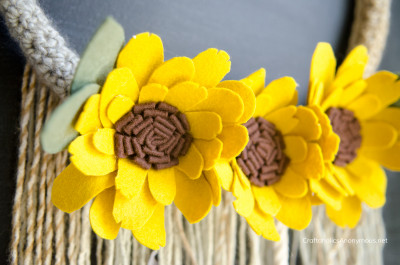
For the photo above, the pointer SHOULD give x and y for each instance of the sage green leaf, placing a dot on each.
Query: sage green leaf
(100, 55)
(59, 131)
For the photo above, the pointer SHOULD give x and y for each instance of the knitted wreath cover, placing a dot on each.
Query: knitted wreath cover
(42, 234)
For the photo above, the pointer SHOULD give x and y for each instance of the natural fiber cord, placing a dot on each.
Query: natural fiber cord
(42, 234)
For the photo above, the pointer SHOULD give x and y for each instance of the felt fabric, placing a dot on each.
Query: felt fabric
(162, 185)
(186, 95)
(296, 148)
(365, 106)
(234, 139)
(263, 224)
(120, 81)
(291, 185)
(72, 190)
(351, 92)
(118, 107)
(100, 215)
(142, 55)
(88, 159)
(89, 119)
(295, 213)
(152, 93)
(210, 151)
(134, 213)
(326, 193)
(378, 135)
(256, 81)
(59, 130)
(284, 119)
(211, 66)
(103, 140)
(205, 125)
(313, 166)
(100, 54)
(173, 71)
(215, 185)
(130, 186)
(192, 163)
(267, 200)
(194, 197)
(348, 215)
(152, 234)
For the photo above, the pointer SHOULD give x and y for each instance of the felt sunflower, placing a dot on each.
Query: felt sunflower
(269, 177)
(146, 139)
(359, 111)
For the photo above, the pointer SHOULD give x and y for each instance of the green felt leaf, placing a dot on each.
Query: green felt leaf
(58, 131)
(100, 55)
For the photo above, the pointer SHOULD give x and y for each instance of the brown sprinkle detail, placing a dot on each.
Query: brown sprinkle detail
(348, 128)
(263, 160)
(153, 135)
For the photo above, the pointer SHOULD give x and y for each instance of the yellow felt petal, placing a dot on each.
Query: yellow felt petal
(390, 116)
(193, 197)
(244, 180)
(343, 177)
(329, 141)
(162, 185)
(365, 106)
(119, 81)
(291, 185)
(244, 204)
(89, 120)
(295, 213)
(192, 163)
(323, 65)
(385, 86)
(351, 92)
(210, 151)
(334, 183)
(315, 93)
(142, 54)
(371, 186)
(348, 76)
(266, 199)
(152, 93)
(296, 148)
(263, 224)
(215, 185)
(103, 140)
(283, 119)
(100, 215)
(173, 71)
(247, 96)
(225, 173)
(281, 91)
(72, 190)
(204, 125)
(348, 215)
(226, 103)
(118, 107)
(358, 55)
(130, 179)
(211, 66)
(185, 95)
(256, 81)
(389, 158)
(234, 139)
(88, 159)
(308, 126)
(313, 166)
(333, 99)
(262, 103)
(378, 135)
(134, 213)
(152, 234)
(326, 193)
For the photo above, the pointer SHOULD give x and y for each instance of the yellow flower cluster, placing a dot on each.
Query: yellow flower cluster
(163, 132)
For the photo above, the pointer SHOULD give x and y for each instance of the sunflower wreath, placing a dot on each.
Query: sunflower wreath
(143, 133)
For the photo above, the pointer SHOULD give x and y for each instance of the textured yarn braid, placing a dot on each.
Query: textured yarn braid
(41, 43)
(42, 234)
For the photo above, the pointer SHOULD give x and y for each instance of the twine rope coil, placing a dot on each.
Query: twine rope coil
(54, 237)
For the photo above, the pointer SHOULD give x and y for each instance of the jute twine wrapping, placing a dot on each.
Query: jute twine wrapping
(41, 234)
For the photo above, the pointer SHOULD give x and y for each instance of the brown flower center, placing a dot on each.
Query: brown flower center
(263, 160)
(347, 127)
(152, 135)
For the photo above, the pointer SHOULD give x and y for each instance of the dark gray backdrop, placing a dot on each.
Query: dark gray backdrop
(279, 35)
